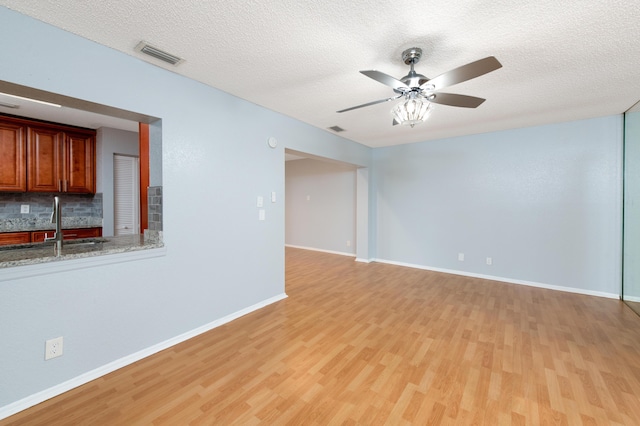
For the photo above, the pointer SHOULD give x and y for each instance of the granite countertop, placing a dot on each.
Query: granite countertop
(34, 253)
(40, 224)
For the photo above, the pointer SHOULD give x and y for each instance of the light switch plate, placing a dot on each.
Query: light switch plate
(273, 197)
(260, 202)
(261, 214)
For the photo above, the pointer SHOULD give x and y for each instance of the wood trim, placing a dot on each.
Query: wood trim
(144, 176)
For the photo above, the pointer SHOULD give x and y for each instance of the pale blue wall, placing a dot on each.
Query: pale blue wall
(543, 202)
(327, 220)
(220, 259)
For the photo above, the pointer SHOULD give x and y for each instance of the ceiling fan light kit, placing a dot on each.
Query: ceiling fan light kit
(419, 92)
(411, 112)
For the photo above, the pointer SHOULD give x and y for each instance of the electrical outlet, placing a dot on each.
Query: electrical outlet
(461, 257)
(348, 243)
(489, 261)
(53, 348)
(24, 208)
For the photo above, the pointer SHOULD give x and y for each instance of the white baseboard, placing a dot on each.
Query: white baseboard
(506, 280)
(359, 259)
(37, 398)
(631, 298)
(321, 250)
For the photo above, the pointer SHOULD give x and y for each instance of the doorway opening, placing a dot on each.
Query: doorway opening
(326, 205)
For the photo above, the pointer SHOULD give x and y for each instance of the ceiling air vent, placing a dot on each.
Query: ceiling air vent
(336, 129)
(147, 49)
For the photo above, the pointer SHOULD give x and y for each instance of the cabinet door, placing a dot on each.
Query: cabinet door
(74, 234)
(80, 164)
(13, 159)
(39, 236)
(44, 160)
(8, 238)
(67, 234)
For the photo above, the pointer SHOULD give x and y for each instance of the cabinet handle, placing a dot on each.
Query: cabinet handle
(59, 185)
(66, 185)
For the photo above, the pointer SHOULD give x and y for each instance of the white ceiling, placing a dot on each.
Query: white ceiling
(65, 115)
(562, 60)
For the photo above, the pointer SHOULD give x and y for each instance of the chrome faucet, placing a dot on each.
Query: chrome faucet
(56, 217)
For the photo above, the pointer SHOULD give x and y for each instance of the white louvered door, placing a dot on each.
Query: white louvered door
(126, 194)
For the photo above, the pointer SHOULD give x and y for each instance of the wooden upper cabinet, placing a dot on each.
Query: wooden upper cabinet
(13, 159)
(45, 159)
(61, 161)
(80, 163)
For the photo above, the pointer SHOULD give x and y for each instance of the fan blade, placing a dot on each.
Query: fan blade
(385, 79)
(464, 73)
(371, 103)
(453, 99)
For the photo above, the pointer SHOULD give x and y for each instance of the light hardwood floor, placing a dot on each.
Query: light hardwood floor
(635, 306)
(359, 344)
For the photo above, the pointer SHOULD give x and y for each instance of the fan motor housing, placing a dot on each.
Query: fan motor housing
(413, 79)
(411, 57)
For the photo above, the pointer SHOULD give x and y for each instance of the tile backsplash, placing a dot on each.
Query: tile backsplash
(154, 197)
(41, 205)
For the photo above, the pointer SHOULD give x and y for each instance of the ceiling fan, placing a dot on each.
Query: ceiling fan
(420, 92)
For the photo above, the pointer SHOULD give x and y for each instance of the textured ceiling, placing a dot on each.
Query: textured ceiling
(562, 60)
